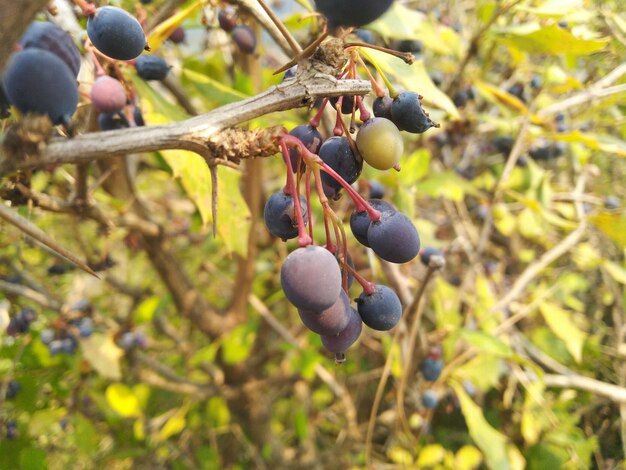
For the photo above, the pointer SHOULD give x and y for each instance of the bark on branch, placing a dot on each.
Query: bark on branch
(198, 134)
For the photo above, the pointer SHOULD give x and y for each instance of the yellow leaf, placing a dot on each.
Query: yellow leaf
(431, 455)
(174, 425)
(616, 271)
(468, 458)
(103, 355)
(613, 225)
(561, 324)
(122, 400)
(195, 176)
(139, 429)
(604, 143)
(162, 31)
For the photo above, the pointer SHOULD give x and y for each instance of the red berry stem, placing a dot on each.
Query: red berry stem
(307, 186)
(87, 9)
(311, 159)
(338, 129)
(368, 287)
(315, 120)
(303, 237)
(364, 114)
(99, 70)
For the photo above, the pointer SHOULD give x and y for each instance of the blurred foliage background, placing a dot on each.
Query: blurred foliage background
(521, 187)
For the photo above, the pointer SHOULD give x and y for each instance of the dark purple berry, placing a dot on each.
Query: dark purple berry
(311, 278)
(245, 38)
(116, 33)
(279, 215)
(352, 12)
(312, 140)
(360, 221)
(151, 67)
(50, 37)
(37, 81)
(382, 107)
(380, 310)
(227, 18)
(337, 153)
(394, 238)
(108, 95)
(431, 369)
(407, 113)
(347, 337)
(330, 321)
(13, 388)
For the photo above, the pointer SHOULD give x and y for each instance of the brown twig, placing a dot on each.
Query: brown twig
(30, 229)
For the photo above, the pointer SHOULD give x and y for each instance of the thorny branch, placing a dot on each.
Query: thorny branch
(201, 134)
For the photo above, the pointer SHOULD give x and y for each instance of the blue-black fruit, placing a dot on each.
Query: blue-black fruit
(407, 113)
(338, 154)
(380, 310)
(360, 221)
(151, 67)
(50, 37)
(352, 12)
(244, 37)
(37, 81)
(112, 121)
(116, 33)
(431, 368)
(430, 399)
(394, 238)
(280, 216)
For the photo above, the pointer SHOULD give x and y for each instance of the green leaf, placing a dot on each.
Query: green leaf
(122, 400)
(415, 77)
(560, 322)
(33, 459)
(447, 184)
(532, 423)
(401, 22)
(483, 372)
(85, 435)
(43, 421)
(446, 304)
(237, 344)
(218, 412)
(550, 39)
(415, 167)
(156, 109)
(213, 91)
(492, 443)
(486, 343)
